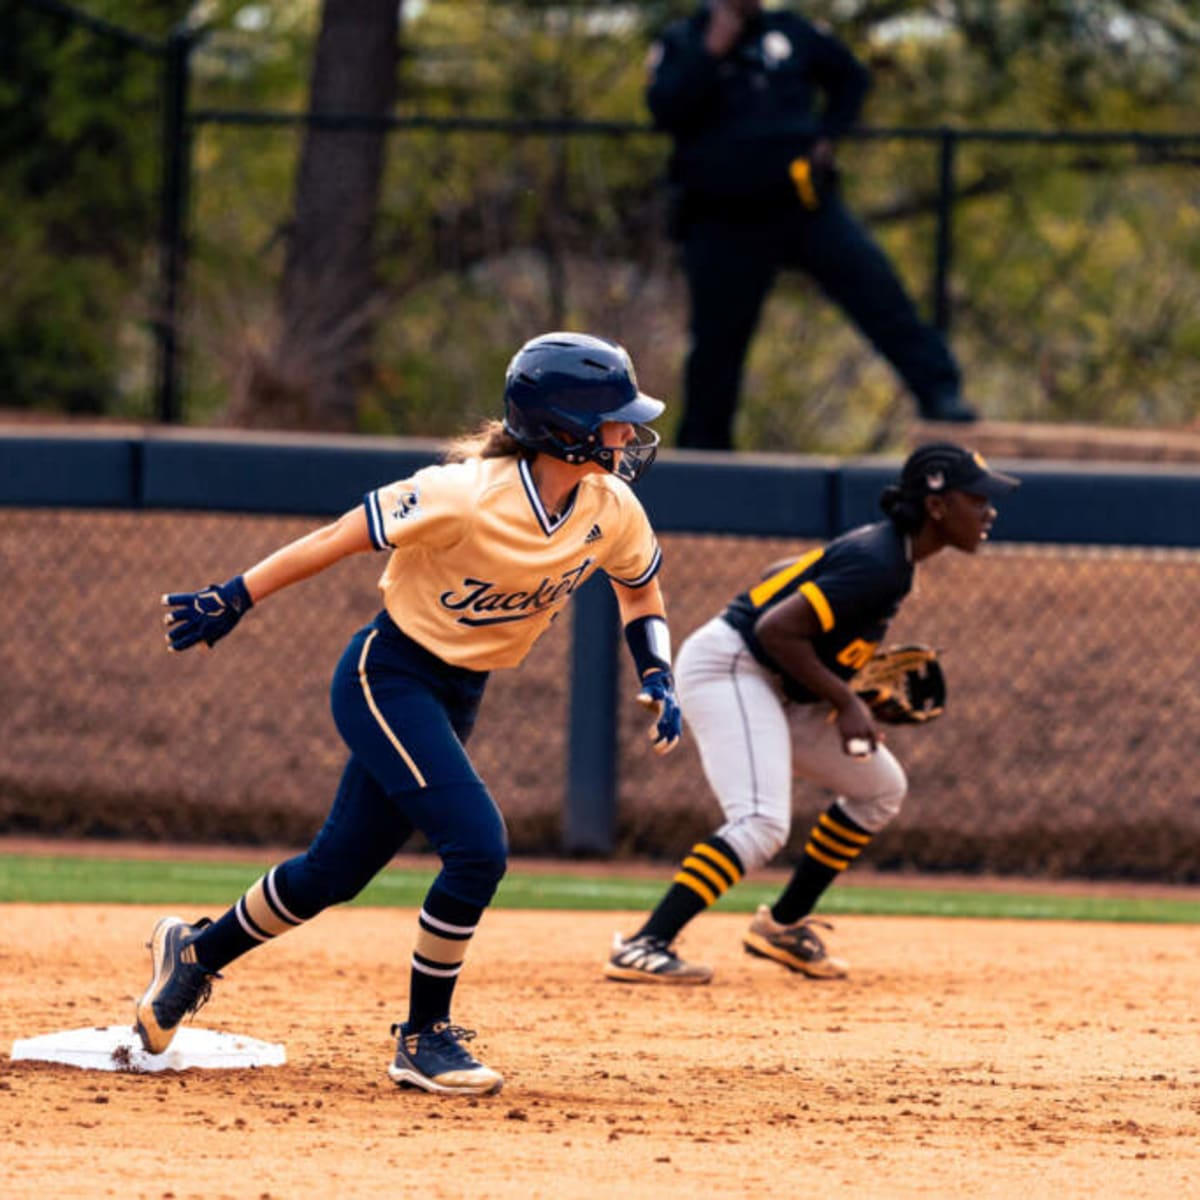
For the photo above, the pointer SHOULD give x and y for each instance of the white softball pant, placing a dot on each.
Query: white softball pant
(740, 719)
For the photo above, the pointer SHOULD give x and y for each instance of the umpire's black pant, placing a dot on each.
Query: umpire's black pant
(730, 268)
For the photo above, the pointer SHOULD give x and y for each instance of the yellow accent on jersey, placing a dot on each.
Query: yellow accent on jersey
(774, 584)
(816, 598)
(479, 570)
(857, 654)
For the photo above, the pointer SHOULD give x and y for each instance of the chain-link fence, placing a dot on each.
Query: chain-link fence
(1064, 750)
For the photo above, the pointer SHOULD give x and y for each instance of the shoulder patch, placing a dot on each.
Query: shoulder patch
(408, 504)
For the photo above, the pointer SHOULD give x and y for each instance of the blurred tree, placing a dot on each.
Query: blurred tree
(78, 176)
(318, 365)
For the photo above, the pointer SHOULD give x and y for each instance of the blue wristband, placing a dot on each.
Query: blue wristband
(649, 642)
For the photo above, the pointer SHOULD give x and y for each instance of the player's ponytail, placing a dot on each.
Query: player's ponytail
(905, 509)
(490, 440)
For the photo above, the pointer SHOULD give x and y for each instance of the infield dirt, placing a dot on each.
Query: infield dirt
(989, 1059)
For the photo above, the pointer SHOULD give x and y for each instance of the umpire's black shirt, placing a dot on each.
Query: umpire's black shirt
(739, 121)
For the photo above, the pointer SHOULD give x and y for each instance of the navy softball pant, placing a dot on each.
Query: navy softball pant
(406, 716)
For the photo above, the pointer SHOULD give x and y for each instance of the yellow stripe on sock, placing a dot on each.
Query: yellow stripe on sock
(831, 843)
(836, 864)
(726, 864)
(700, 867)
(841, 831)
(690, 881)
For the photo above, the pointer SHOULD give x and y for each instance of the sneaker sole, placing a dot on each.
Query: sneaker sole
(405, 1078)
(632, 975)
(144, 1012)
(759, 947)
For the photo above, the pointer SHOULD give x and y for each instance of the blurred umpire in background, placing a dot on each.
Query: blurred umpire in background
(754, 101)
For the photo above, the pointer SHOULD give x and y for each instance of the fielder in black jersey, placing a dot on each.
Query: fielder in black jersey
(768, 681)
(861, 577)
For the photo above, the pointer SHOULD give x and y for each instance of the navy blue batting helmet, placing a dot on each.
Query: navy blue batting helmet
(561, 387)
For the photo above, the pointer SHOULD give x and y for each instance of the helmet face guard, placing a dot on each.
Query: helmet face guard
(632, 461)
(562, 387)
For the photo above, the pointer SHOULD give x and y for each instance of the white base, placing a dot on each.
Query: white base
(118, 1048)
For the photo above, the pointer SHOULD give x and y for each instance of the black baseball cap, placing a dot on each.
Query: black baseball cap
(945, 467)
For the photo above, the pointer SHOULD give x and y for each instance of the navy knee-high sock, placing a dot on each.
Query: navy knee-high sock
(264, 912)
(445, 928)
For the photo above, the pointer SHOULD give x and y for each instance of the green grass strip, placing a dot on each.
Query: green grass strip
(213, 886)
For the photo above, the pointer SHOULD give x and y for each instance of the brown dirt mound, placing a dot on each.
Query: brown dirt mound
(988, 1059)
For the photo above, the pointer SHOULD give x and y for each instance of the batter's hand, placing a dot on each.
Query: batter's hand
(205, 616)
(658, 696)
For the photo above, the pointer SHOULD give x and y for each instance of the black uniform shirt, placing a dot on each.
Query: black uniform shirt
(855, 585)
(739, 121)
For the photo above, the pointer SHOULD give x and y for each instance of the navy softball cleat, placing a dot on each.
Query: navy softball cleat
(434, 1059)
(180, 985)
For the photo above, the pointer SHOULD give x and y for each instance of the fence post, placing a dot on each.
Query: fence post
(590, 805)
(176, 169)
(944, 247)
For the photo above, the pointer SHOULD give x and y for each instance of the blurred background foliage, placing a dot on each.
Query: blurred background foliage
(1075, 286)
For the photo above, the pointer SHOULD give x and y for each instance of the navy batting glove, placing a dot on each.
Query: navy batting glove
(658, 695)
(205, 616)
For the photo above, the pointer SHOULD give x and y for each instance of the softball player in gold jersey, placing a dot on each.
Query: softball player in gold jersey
(484, 551)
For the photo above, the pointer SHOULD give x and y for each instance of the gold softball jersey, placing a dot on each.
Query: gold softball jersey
(479, 569)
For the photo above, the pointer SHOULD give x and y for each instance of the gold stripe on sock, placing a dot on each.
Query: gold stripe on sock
(836, 864)
(701, 890)
(699, 867)
(819, 836)
(840, 830)
(725, 864)
(259, 910)
(448, 952)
